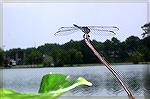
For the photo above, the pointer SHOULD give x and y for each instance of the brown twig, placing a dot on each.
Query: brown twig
(87, 40)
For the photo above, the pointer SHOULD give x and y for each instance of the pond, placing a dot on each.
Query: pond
(104, 84)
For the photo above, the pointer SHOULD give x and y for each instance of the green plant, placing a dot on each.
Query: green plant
(52, 86)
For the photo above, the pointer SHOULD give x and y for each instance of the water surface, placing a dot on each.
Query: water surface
(104, 84)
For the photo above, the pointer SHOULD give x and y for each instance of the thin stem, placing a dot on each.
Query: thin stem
(87, 40)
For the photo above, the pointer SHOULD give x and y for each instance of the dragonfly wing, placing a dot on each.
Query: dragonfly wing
(109, 28)
(66, 31)
(103, 32)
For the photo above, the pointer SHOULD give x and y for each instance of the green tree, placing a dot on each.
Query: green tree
(17, 54)
(79, 57)
(123, 54)
(76, 52)
(146, 42)
(107, 49)
(147, 55)
(136, 57)
(88, 56)
(47, 60)
(115, 48)
(146, 28)
(57, 57)
(34, 57)
(132, 43)
(71, 58)
(1, 57)
(48, 48)
(71, 45)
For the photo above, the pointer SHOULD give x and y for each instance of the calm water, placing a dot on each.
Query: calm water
(104, 84)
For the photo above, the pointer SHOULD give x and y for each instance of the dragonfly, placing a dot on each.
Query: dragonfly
(100, 30)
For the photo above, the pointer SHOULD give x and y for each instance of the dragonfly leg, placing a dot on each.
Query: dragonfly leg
(86, 36)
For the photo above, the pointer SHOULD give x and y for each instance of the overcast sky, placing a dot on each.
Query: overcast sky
(29, 24)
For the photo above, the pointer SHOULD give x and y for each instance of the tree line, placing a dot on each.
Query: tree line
(133, 49)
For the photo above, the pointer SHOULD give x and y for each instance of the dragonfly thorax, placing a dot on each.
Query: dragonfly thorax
(85, 30)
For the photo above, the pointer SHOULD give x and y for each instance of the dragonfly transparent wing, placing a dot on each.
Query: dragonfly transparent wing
(66, 31)
(110, 28)
(103, 30)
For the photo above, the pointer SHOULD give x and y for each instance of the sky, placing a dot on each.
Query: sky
(34, 24)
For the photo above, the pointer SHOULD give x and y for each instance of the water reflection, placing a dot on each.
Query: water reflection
(147, 82)
(97, 82)
(104, 84)
(112, 85)
(135, 82)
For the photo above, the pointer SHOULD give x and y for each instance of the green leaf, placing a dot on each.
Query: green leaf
(58, 84)
(9, 94)
(52, 86)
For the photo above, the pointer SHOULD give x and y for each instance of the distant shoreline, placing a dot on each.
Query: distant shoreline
(75, 65)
